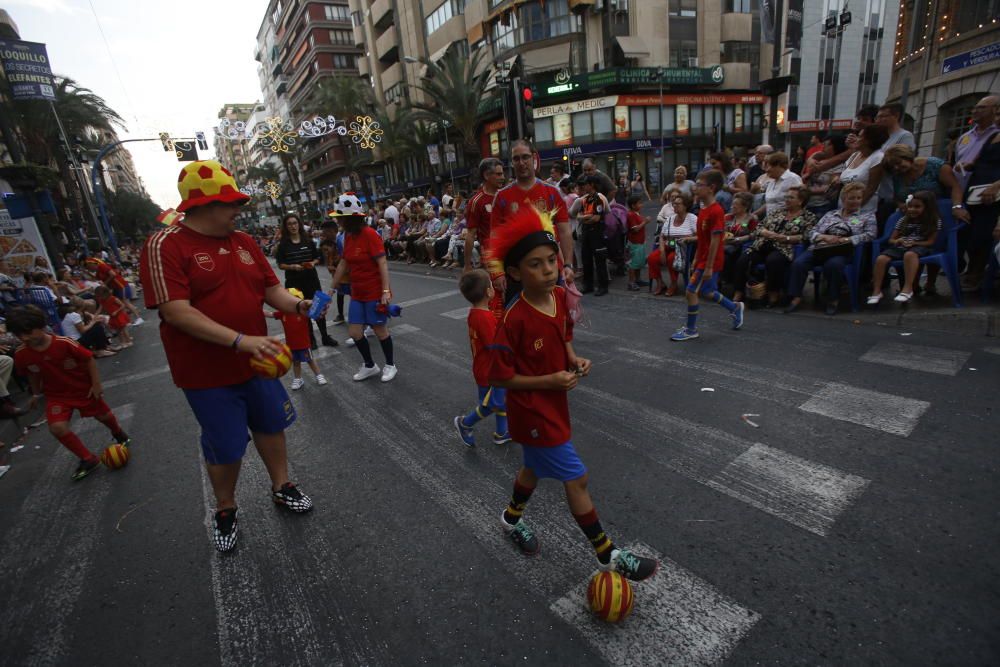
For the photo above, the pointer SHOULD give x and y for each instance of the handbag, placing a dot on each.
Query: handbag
(680, 257)
(825, 252)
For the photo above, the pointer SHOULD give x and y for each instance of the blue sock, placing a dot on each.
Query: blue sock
(501, 415)
(475, 416)
(724, 302)
(692, 321)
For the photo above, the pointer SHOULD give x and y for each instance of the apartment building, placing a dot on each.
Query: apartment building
(235, 155)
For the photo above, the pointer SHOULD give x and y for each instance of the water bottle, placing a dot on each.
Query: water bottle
(319, 302)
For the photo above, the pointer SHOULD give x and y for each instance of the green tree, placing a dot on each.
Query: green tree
(343, 97)
(263, 172)
(132, 214)
(453, 88)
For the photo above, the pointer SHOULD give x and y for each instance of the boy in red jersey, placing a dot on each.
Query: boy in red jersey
(296, 328)
(114, 308)
(477, 220)
(476, 286)
(533, 358)
(65, 373)
(711, 255)
(364, 257)
(114, 281)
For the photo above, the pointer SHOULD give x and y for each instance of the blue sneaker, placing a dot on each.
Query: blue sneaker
(501, 438)
(465, 433)
(683, 334)
(738, 315)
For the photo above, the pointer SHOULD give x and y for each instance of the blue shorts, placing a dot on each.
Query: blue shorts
(363, 312)
(493, 398)
(344, 289)
(708, 288)
(559, 463)
(301, 356)
(226, 413)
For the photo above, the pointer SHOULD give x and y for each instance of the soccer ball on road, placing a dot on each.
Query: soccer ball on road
(610, 596)
(115, 456)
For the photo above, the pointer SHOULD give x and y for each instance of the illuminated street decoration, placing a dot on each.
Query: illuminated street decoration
(278, 135)
(234, 131)
(272, 189)
(320, 127)
(365, 132)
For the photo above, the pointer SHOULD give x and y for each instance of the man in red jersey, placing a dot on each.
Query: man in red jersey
(209, 283)
(528, 190)
(477, 218)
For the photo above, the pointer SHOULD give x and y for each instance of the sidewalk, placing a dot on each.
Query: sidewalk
(922, 314)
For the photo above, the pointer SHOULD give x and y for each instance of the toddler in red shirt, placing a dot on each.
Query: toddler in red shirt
(296, 328)
(477, 287)
(113, 307)
(65, 373)
(533, 359)
(636, 235)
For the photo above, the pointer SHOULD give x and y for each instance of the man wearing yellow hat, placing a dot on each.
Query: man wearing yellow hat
(209, 283)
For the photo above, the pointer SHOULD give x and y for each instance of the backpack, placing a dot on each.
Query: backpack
(615, 222)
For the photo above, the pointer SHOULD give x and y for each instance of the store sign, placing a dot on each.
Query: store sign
(26, 65)
(631, 76)
(621, 122)
(984, 54)
(647, 100)
(573, 107)
(494, 143)
(606, 147)
(562, 129)
(819, 125)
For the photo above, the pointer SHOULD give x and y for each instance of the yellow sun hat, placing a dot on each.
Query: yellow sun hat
(206, 181)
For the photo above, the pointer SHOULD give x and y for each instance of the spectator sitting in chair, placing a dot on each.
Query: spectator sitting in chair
(913, 238)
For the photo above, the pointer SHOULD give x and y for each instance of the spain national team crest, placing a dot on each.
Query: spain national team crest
(514, 207)
(540, 206)
(204, 260)
(245, 256)
(489, 208)
(538, 344)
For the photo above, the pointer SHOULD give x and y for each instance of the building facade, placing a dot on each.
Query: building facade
(946, 57)
(235, 155)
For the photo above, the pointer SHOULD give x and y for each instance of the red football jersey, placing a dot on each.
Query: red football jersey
(296, 330)
(541, 195)
(223, 277)
(711, 221)
(530, 342)
(361, 250)
(477, 215)
(62, 367)
(482, 329)
(636, 228)
(105, 271)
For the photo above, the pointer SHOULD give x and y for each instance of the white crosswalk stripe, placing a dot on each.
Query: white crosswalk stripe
(893, 414)
(917, 357)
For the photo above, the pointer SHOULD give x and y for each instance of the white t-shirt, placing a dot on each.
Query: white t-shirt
(859, 173)
(69, 325)
(687, 227)
(774, 195)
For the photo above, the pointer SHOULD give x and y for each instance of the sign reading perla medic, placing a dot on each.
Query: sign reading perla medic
(617, 76)
(26, 65)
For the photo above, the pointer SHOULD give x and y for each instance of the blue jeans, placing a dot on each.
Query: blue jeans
(833, 272)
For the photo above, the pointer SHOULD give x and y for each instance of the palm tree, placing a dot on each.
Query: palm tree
(263, 172)
(397, 136)
(343, 97)
(454, 87)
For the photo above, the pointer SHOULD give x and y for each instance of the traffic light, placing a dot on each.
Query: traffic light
(528, 112)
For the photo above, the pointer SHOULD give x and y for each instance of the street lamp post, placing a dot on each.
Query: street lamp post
(659, 78)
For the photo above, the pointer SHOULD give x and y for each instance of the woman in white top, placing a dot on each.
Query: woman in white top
(782, 179)
(865, 165)
(679, 226)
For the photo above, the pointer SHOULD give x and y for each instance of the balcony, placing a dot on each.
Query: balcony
(364, 69)
(736, 28)
(381, 13)
(359, 36)
(387, 46)
(391, 76)
(737, 76)
(452, 31)
(281, 86)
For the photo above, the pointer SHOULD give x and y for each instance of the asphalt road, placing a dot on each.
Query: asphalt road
(856, 525)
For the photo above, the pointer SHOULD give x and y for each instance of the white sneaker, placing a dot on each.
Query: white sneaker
(364, 372)
(138, 322)
(369, 332)
(388, 373)
(297, 384)
(320, 379)
(349, 342)
(874, 299)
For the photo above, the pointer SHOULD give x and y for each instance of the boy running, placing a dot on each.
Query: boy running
(534, 360)
(296, 328)
(65, 374)
(710, 255)
(477, 288)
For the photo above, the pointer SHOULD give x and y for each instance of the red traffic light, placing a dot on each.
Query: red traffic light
(526, 94)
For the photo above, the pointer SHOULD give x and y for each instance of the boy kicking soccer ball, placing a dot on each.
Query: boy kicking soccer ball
(533, 358)
(65, 374)
(477, 288)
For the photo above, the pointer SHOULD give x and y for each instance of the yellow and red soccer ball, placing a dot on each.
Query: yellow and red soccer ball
(115, 456)
(610, 596)
(273, 365)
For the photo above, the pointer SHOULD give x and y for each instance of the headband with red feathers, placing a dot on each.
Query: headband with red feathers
(523, 231)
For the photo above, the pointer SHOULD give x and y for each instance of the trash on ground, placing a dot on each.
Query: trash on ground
(905, 334)
(746, 418)
(707, 389)
(16, 449)
(972, 369)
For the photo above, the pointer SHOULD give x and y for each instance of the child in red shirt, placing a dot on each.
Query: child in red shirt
(710, 256)
(636, 235)
(113, 307)
(65, 373)
(533, 358)
(477, 287)
(297, 338)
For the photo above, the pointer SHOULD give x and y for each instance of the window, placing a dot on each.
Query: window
(336, 13)
(341, 37)
(604, 124)
(543, 132)
(637, 121)
(683, 52)
(737, 6)
(653, 120)
(582, 128)
(343, 61)
(439, 16)
(685, 8)
(356, 19)
(312, 39)
(276, 14)
(976, 13)
(740, 52)
(393, 93)
(531, 22)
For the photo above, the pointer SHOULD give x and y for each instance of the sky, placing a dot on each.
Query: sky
(179, 62)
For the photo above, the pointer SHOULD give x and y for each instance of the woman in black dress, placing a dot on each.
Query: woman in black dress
(297, 256)
(977, 238)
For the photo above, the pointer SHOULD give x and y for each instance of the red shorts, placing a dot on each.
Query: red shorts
(61, 409)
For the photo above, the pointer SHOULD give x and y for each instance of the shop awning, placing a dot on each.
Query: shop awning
(632, 47)
(547, 58)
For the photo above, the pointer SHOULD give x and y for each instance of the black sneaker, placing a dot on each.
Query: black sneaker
(224, 533)
(521, 535)
(123, 439)
(631, 566)
(329, 342)
(85, 468)
(290, 496)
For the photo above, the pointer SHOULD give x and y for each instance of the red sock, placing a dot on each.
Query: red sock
(72, 442)
(111, 422)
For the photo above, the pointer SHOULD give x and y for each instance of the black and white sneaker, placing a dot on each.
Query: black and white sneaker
(225, 529)
(631, 566)
(290, 496)
(521, 535)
